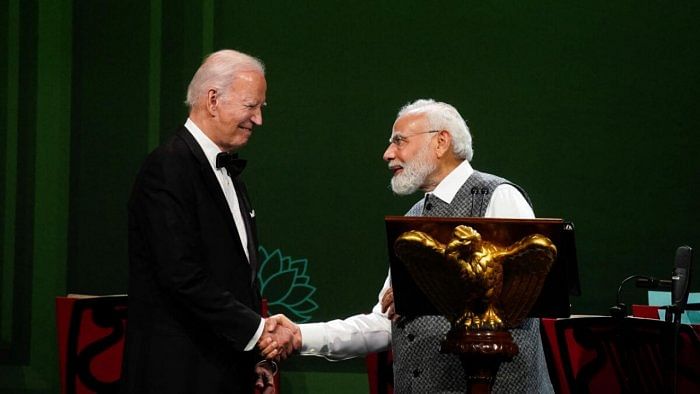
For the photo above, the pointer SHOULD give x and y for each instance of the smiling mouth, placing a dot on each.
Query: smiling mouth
(395, 170)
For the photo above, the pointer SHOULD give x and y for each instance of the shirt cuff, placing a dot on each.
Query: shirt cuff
(313, 338)
(256, 336)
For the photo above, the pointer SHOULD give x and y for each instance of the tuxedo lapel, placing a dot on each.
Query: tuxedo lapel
(210, 181)
(249, 221)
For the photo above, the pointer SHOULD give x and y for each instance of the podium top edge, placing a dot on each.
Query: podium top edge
(394, 218)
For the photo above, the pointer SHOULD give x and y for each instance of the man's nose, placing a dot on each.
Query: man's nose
(257, 117)
(389, 153)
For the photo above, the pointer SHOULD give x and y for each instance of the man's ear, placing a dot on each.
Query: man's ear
(212, 102)
(444, 143)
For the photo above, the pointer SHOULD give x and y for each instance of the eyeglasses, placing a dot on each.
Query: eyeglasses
(400, 140)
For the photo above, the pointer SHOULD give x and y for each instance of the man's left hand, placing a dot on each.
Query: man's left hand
(388, 304)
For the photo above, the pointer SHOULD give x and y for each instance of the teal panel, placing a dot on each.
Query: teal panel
(154, 71)
(110, 137)
(35, 170)
(51, 190)
(182, 53)
(8, 164)
(25, 186)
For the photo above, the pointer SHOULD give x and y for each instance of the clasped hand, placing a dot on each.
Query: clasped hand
(280, 338)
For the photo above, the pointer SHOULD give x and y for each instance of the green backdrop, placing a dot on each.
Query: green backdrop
(590, 106)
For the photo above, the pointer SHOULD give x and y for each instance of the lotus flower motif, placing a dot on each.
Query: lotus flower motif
(286, 285)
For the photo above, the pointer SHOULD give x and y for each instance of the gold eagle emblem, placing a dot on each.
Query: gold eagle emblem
(476, 284)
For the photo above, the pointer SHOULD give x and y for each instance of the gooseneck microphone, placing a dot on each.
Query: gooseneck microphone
(641, 281)
(474, 191)
(649, 282)
(680, 279)
(680, 285)
(484, 199)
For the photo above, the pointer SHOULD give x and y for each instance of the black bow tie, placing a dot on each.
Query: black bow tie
(231, 162)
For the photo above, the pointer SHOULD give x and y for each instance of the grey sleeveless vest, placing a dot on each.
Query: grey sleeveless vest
(419, 367)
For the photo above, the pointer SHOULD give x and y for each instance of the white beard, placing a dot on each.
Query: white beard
(414, 173)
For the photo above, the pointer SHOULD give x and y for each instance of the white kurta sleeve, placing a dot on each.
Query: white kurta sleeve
(508, 202)
(352, 337)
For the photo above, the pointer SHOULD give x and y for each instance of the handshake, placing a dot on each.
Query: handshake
(280, 338)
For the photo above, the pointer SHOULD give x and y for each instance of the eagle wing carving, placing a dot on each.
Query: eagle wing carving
(424, 257)
(526, 264)
(474, 282)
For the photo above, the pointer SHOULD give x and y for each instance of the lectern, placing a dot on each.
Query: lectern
(485, 276)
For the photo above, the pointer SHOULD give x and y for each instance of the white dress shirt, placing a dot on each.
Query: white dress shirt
(365, 333)
(210, 151)
(506, 201)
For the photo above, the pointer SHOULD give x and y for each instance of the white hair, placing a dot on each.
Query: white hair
(218, 71)
(443, 116)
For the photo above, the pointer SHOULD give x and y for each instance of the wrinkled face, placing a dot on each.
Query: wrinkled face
(409, 155)
(238, 110)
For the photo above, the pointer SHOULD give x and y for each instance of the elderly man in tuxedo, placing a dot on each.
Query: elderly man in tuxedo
(194, 323)
(429, 150)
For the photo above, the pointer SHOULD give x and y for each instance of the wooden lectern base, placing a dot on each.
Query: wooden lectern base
(481, 354)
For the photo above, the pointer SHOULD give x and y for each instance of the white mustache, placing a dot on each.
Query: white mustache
(395, 164)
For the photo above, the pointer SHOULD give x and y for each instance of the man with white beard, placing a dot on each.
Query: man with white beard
(430, 149)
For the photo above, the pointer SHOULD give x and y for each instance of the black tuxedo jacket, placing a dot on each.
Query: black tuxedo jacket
(193, 295)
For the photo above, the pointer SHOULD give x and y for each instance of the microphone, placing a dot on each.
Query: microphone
(619, 310)
(653, 283)
(484, 192)
(473, 192)
(680, 279)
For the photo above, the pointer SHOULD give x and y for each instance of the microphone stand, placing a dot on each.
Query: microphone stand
(674, 314)
(677, 313)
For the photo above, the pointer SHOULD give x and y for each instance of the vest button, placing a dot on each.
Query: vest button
(411, 337)
(416, 373)
(429, 207)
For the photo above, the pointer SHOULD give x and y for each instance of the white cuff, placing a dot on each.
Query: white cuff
(313, 339)
(256, 336)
